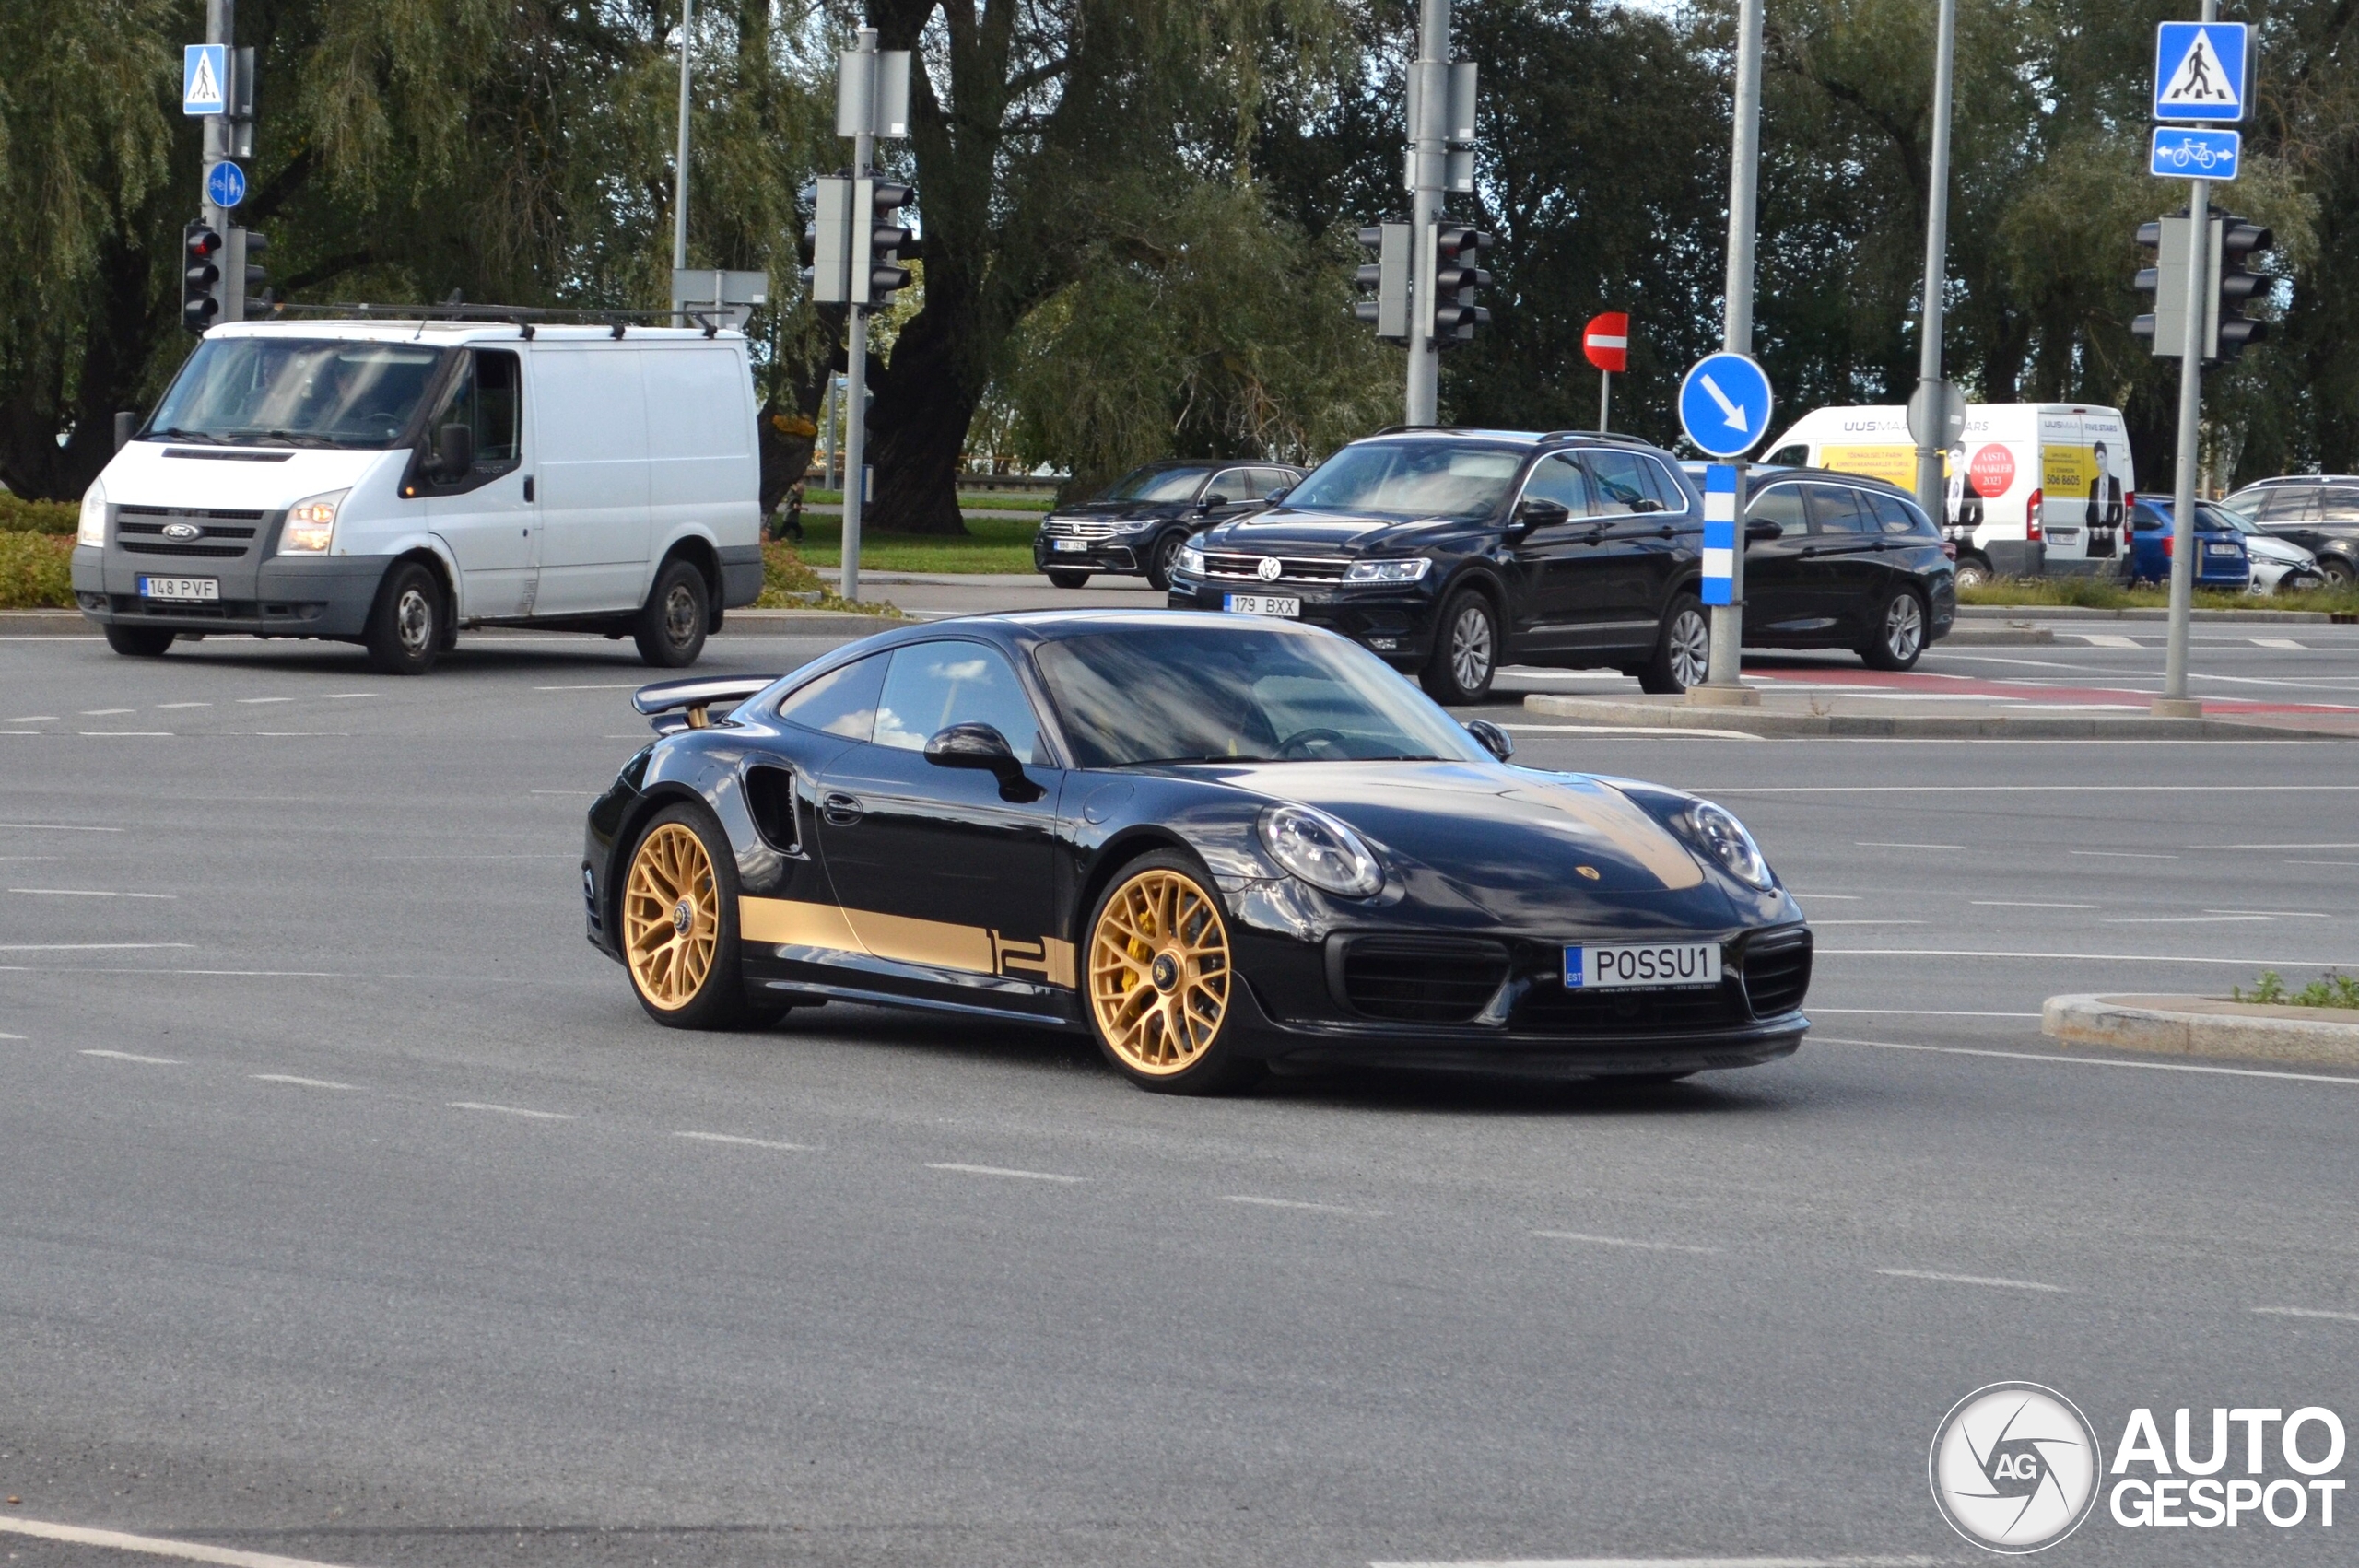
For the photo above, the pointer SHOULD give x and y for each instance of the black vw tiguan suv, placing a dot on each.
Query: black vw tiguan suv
(1448, 551)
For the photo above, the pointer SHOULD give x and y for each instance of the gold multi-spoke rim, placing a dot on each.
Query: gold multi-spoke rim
(1159, 972)
(670, 917)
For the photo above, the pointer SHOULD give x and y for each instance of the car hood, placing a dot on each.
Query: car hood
(1283, 529)
(1507, 845)
(2262, 548)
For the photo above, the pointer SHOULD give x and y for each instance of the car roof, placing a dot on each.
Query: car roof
(2285, 480)
(1756, 472)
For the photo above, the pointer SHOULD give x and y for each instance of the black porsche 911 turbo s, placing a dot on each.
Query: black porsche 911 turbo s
(1216, 843)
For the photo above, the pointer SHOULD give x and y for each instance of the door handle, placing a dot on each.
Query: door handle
(840, 809)
(1665, 531)
(528, 486)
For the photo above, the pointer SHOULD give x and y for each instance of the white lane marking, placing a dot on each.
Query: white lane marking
(2322, 862)
(1846, 897)
(2276, 914)
(31, 718)
(1624, 1241)
(2026, 904)
(590, 793)
(1973, 1279)
(1670, 1562)
(86, 946)
(89, 893)
(2278, 642)
(59, 827)
(250, 701)
(606, 686)
(126, 1056)
(105, 712)
(2306, 1312)
(510, 1110)
(2312, 844)
(299, 1083)
(1675, 731)
(999, 1171)
(125, 735)
(2186, 919)
(2093, 1061)
(2118, 855)
(1298, 1203)
(733, 1137)
(341, 697)
(154, 1546)
(2067, 957)
(1869, 922)
(1878, 843)
(11, 1036)
(1920, 1012)
(162, 705)
(315, 734)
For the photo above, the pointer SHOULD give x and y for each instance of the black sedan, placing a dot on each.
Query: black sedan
(1216, 843)
(1136, 527)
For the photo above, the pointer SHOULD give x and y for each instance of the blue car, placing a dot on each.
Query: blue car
(2221, 561)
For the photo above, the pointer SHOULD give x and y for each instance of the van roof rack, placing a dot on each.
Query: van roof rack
(524, 317)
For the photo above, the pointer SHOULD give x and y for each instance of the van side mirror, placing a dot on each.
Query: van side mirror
(455, 449)
(981, 746)
(126, 422)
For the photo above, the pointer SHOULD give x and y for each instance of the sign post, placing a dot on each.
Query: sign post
(1724, 406)
(872, 100)
(1606, 341)
(1930, 384)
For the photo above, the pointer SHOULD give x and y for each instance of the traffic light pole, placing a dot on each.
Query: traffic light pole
(220, 27)
(2175, 703)
(863, 154)
(1724, 684)
(1931, 487)
(680, 172)
(1428, 158)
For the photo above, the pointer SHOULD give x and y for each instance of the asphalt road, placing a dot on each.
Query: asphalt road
(351, 1211)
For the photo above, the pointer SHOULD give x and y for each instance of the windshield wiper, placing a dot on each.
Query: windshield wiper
(1210, 756)
(176, 434)
(292, 439)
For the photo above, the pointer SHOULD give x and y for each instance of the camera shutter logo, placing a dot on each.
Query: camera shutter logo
(2015, 1467)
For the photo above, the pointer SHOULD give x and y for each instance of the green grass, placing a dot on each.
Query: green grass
(2330, 990)
(974, 500)
(789, 584)
(992, 544)
(2103, 593)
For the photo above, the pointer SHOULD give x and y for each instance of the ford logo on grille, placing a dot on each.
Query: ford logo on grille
(1269, 569)
(181, 531)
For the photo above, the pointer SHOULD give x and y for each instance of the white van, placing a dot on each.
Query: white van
(389, 481)
(2035, 489)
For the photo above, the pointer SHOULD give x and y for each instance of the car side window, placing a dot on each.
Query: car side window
(1555, 478)
(932, 686)
(1233, 484)
(2146, 519)
(1788, 457)
(841, 702)
(1780, 504)
(1893, 514)
(1268, 479)
(1835, 509)
(2339, 505)
(1662, 487)
(2289, 506)
(1618, 482)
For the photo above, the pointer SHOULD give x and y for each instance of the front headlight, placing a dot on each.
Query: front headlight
(1321, 851)
(311, 525)
(1721, 836)
(1388, 571)
(1191, 560)
(92, 528)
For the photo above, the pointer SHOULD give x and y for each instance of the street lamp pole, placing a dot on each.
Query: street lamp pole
(1429, 156)
(680, 173)
(2175, 703)
(1931, 484)
(1724, 666)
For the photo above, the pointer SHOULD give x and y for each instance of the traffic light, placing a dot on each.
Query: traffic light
(2164, 327)
(200, 277)
(1458, 274)
(876, 270)
(243, 253)
(1386, 281)
(2234, 242)
(829, 241)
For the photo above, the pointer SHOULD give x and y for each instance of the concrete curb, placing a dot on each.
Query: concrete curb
(2188, 1025)
(1773, 722)
(1997, 636)
(2077, 613)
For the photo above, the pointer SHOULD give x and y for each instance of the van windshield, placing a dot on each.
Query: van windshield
(288, 392)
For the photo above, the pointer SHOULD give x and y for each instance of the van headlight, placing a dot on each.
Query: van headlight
(1718, 834)
(92, 528)
(311, 525)
(1388, 571)
(1324, 852)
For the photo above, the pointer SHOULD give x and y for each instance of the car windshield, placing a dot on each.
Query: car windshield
(1158, 485)
(288, 392)
(1411, 479)
(1222, 693)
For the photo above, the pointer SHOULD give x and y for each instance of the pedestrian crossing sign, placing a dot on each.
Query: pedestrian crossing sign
(204, 79)
(2202, 71)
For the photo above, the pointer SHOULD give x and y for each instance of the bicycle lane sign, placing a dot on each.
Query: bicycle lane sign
(2181, 152)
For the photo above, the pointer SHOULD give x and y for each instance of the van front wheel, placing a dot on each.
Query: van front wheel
(671, 627)
(405, 629)
(139, 642)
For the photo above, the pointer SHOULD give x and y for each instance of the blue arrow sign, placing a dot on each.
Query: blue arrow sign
(1724, 404)
(225, 184)
(204, 79)
(2202, 71)
(2182, 152)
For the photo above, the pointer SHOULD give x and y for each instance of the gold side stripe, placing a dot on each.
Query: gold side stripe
(978, 950)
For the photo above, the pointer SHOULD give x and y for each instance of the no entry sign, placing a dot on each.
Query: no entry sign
(1606, 341)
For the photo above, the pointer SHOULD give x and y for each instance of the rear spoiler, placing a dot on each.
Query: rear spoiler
(666, 700)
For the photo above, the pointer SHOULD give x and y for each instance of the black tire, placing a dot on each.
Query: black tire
(1066, 578)
(1160, 557)
(139, 642)
(673, 990)
(678, 617)
(1683, 649)
(1898, 638)
(1973, 571)
(2340, 573)
(1466, 650)
(405, 631)
(1216, 1067)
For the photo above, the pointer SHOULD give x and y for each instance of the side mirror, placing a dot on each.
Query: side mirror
(1274, 497)
(1214, 499)
(983, 747)
(1762, 532)
(454, 450)
(1492, 738)
(126, 422)
(1534, 512)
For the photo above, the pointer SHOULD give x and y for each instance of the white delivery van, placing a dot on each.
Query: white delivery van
(390, 482)
(2035, 489)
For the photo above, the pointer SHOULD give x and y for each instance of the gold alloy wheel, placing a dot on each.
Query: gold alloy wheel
(670, 917)
(1159, 972)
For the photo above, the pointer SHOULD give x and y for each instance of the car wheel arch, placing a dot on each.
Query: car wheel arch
(1107, 862)
(1486, 582)
(699, 553)
(652, 801)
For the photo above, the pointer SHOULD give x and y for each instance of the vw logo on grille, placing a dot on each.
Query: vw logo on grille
(1269, 569)
(181, 531)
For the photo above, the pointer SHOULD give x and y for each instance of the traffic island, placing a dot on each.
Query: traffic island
(2208, 1027)
(1798, 709)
